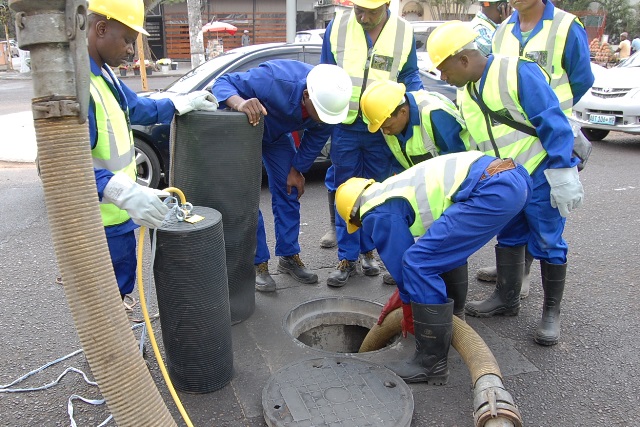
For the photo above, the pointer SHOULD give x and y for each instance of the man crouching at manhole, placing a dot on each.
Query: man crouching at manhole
(454, 204)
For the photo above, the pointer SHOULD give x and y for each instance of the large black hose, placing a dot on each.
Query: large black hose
(216, 160)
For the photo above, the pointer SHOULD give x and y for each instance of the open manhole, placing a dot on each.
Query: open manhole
(336, 325)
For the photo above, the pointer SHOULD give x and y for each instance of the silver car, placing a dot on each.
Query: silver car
(613, 103)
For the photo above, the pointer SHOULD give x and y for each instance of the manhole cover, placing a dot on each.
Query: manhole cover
(337, 392)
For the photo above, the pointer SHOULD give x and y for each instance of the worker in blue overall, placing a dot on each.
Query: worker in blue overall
(416, 126)
(371, 44)
(500, 94)
(441, 202)
(558, 42)
(291, 96)
(113, 26)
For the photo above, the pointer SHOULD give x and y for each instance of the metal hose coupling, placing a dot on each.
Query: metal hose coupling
(493, 405)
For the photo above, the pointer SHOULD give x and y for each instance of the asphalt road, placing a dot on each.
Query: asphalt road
(591, 378)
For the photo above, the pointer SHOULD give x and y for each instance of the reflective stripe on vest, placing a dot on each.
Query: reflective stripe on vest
(546, 48)
(387, 57)
(422, 145)
(114, 149)
(428, 187)
(503, 99)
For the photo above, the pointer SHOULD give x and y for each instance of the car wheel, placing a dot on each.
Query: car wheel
(147, 165)
(595, 134)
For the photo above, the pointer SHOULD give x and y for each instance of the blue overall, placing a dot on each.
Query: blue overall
(540, 226)
(142, 111)
(279, 86)
(481, 208)
(356, 152)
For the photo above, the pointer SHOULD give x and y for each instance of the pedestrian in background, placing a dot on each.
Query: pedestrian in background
(369, 43)
(624, 48)
(245, 40)
(292, 96)
(113, 27)
(441, 202)
(502, 93)
(558, 42)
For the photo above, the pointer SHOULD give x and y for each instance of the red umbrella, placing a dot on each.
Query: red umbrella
(218, 26)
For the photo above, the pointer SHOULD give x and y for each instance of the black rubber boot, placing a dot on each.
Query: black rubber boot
(505, 299)
(553, 278)
(433, 325)
(457, 283)
(330, 239)
(489, 274)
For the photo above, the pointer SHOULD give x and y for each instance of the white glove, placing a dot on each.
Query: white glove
(141, 203)
(566, 189)
(198, 100)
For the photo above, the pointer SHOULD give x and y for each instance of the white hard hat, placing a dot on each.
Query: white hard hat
(330, 89)
(246, 31)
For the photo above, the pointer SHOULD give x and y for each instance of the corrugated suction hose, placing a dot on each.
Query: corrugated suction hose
(492, 403)
(89, 282)
(216, 160)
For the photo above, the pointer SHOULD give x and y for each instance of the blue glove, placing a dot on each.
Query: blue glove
(566, 189)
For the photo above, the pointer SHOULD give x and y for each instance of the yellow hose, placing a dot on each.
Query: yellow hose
(147, 320)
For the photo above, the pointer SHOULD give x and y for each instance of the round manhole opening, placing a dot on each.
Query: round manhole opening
(335, 325)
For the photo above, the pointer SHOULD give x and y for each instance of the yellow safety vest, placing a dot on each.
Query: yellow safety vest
(546, 48)
(500, 94)
(114, 150)
(422, 145)
(428, 187)
(384, 60)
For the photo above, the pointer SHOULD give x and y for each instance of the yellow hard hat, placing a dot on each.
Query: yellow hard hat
(447, 39)
(346, 197)
(379, 100)
(369, 4)
(129, 12)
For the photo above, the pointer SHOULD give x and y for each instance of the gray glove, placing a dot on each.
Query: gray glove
(141, 203)
(197, 100)
(566, 189)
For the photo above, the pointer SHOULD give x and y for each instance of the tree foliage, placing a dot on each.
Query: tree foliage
(442, 10)
(621, 16)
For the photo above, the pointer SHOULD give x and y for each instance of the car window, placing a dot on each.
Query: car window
(196, 77)
(252, 63)
(312, 58)
(421, 39)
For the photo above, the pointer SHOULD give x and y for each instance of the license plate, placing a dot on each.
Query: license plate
(602, 119)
